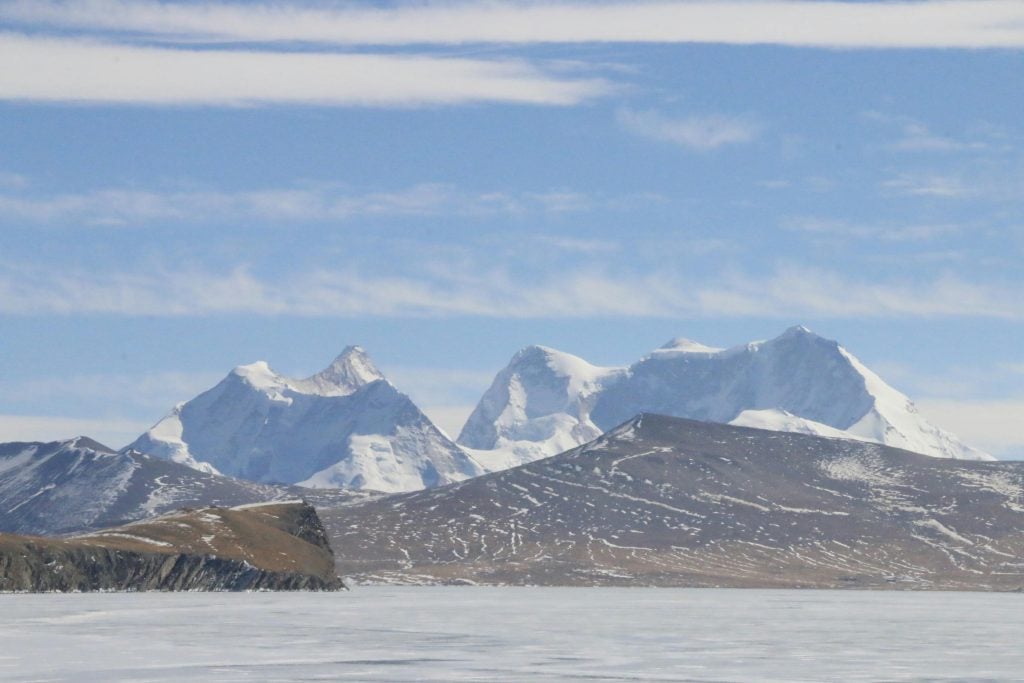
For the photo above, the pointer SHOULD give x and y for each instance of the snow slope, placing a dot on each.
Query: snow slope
(537, 406)
(345, 426)
(546, 401)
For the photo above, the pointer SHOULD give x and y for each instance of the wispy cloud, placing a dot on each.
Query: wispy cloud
(789, 293)
(978, 381)
(46, 69)
(12, 181)
(446, 395)
(839, 229)
(579, 245)
(291, 205)
(917, 136)
(114, 432)
(989, 178)
(799, 292)
(930, 185)
(993, 425)
(451, 419)
(701, 133)
(153, 392)
(947, 23)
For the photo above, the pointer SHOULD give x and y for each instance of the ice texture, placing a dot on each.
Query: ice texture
(514, 634)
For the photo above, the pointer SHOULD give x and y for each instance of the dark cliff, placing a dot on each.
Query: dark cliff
(278, 546)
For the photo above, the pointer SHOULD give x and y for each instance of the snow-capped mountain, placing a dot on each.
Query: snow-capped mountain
(64, 486)
(546, 401)
(537, 406)
(345, 426)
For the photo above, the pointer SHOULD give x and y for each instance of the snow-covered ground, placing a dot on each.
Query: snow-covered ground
(515, 634)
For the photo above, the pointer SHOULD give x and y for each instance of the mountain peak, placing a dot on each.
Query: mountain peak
(345, 426)
(684, 345)
(259, 375)
(797, 331)
(84, 442)
(348, 372)
(534, 351)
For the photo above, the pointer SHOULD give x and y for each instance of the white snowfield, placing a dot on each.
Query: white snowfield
(547, 401)
(345, 426)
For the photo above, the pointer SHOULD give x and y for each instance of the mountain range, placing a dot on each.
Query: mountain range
(348, 427)
(777, 463)
(79, 484)
(674, 502)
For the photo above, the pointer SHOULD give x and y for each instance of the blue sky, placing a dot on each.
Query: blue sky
(185, 187)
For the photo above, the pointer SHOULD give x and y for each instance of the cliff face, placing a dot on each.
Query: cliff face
(34, 566)
(265, 547)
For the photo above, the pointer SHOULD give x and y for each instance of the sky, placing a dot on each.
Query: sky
(190, 186)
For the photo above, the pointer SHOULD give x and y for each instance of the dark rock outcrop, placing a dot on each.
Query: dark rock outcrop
(279, 546)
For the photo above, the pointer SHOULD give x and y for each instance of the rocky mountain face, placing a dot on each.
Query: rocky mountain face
(279, 546)
(68, 486)
(676, 502)
(345, 426)
(546, 401)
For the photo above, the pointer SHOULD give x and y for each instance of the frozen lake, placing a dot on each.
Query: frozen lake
(516, 634)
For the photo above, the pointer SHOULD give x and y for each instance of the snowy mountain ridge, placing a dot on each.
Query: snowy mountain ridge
(537, 406)
(546, 401)
(346, 426)
(63, 486)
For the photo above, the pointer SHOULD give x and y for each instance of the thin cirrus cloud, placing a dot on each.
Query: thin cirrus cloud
(52, 69)
(837, 24)
(702, 133)
(844, 230)
(916, 136)
(789, 292)
(936, 185)
(991, 424)
(119, 206)
(114, 432)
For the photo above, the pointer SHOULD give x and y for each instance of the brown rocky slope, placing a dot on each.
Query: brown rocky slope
(276, 546)
(663, 501)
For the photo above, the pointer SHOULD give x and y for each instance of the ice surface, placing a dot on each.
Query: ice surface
(515, 634)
